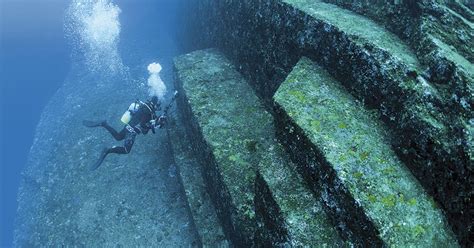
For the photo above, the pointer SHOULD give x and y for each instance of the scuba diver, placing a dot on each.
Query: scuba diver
(140, 118)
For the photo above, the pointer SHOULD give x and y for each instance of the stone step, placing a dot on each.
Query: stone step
(433, 122)
(359, 28)
(303, 216)
(337, 142)
(465, 15)
(447, 52)
(430, 141)
(258, 196)
(385, 72)
(204, 215)
(431, 119)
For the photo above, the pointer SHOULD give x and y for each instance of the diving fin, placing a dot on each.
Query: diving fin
(100, 160)
(92, 123)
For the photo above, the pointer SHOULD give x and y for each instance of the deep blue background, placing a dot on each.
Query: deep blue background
(34, 60)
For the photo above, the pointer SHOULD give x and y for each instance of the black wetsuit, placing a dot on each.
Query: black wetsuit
(139, 123)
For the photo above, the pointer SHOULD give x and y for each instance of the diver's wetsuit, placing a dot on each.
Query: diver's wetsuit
(125, 133)
(140, 122)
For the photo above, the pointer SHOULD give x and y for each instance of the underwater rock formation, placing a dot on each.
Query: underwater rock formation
(410, 61)
(202, 210)
(342, 146)
(260, 199)
(310, 123)
(130, 201)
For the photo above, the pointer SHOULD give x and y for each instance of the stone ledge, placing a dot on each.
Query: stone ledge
(258, 196)
(202, 210)
(267, 39)
(350, 154)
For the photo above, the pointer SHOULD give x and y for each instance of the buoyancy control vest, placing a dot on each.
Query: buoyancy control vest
(138, 108)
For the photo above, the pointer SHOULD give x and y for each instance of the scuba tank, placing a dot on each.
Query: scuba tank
(133, 108)
(127, 116)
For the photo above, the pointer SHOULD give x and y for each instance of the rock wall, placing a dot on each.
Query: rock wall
(259, 198)
(344, 148)
(410, 61)
(133, 200)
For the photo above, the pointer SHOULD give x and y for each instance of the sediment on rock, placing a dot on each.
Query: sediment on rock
(341, 145)
(413, 77)
(259, 197)
(202, 210)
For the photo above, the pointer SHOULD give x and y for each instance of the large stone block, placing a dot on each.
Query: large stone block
(339, 144)
(260, 199)
(204, 215)
(427, 103)
(442, 36)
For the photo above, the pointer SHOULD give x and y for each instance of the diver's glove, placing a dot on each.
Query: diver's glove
(161, 121)
(158, 122)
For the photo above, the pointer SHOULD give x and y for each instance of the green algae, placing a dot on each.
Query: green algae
(388, 201)
(243, 145)
(380, 188)
(454, 56)
(202, 210)
(358, 27)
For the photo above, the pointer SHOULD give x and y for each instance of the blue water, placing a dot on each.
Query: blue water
(35, 59)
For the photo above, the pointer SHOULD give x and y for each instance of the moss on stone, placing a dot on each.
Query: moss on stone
(243, 145)
(360, 28)
(379, 187)
(190, 172)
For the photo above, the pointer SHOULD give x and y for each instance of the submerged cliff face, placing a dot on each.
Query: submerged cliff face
(408, 62)
(131, 200)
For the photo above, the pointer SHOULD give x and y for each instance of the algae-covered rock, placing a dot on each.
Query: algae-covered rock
(441, 34)
(230, 187)
(202, 210)
(341, 145)
(409, 60)
(259, 197)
